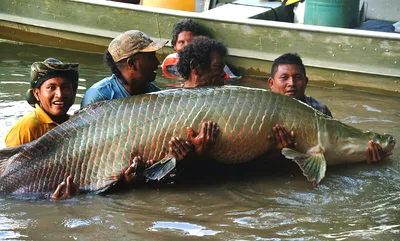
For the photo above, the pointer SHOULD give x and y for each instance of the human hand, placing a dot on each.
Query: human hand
(281, 137)
(179, 148)
(205, 139)
(134, 171)
(65, 190)
(375, 152)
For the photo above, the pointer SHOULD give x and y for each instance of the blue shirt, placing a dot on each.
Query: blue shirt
(109, 88)
(318, 105)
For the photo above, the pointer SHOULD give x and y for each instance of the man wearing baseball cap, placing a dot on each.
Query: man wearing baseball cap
(132, 59)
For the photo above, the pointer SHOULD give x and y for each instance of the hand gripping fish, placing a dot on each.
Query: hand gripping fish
(102, 138)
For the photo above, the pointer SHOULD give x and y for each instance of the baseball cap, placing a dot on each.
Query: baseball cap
(132, 42)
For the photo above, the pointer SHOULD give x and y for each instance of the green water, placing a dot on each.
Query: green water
(353, 202)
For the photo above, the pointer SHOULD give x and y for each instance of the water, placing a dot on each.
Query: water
(353, 202)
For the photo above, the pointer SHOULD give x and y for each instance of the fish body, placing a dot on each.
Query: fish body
(102, 138)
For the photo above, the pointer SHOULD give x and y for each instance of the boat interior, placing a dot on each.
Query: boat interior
(365, 15)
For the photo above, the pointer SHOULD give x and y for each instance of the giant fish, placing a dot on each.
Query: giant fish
(102, 138)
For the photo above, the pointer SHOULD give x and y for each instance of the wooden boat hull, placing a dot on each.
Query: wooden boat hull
(334, 57)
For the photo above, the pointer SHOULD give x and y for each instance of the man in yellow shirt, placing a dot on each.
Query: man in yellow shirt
(30, 127)
(52, 93)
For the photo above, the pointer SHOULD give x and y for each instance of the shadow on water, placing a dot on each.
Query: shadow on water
(254, 201)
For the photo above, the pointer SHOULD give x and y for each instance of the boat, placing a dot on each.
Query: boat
(335, 57)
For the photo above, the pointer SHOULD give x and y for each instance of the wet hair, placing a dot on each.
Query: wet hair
(114, 66)
(185, 25)
(197, 54)
(288, 58)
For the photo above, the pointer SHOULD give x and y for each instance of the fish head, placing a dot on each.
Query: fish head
(351, 145)
(386, 141)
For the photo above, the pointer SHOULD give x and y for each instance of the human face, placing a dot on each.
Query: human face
(289, 80)
(215, 74)
(55, 96)
(184, 39)
(146, 65)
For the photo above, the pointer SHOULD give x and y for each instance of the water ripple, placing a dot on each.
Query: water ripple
(368, 233)
(357, 119)
(186, 228)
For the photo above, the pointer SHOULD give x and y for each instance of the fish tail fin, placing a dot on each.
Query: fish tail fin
(5, 157)
(312, 165)
(160, 169)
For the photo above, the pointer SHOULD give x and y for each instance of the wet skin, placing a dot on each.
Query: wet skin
(138, 71)
(65, 190)
(145, 65)
(211, 76)
(289, 80)
(55, 96)
(184, 39)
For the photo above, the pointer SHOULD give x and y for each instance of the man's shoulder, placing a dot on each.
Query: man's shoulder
(28, 123)
(312, 100)
(107, 81)
(318, 105)
(30, 119)
(106, 89)
(103, 88)
(27, 129)
(153, 88)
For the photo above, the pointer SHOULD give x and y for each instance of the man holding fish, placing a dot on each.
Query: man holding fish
(288, 77)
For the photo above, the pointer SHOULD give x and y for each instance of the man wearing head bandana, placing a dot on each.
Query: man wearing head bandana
(52, 92)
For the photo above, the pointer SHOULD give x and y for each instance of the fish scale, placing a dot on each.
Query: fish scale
(103, 137)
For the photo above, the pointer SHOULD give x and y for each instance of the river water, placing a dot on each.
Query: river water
(353, 202)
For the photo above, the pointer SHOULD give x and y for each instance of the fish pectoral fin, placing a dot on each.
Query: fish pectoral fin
(160, 169)
(312, 165)
(105, 189)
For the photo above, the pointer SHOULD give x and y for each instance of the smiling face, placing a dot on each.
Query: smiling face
(184, 39)
(55, 96)
(289, 80)
(142, 69)
(146, 65)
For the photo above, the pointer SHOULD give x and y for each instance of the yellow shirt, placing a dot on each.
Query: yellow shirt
(30, 127)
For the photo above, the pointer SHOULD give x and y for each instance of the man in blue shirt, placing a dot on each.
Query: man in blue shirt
(132, 59)
(133, 63)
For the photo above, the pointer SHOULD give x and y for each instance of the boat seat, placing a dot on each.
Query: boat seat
(243, 11)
